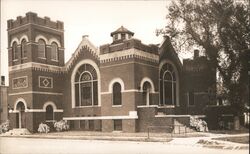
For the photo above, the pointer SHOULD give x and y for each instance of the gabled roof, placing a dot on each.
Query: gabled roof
(122, 30)
(85, 43)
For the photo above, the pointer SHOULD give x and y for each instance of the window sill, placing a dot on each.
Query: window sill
(15, 60)
(145, 106)
(167, 106)
(42, 58)
(50, 121)
(54, 60)
(116, 105)
(86, 106)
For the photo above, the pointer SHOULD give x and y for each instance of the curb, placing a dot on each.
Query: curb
(104, 138)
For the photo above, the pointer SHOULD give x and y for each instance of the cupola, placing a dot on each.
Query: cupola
(121, 34)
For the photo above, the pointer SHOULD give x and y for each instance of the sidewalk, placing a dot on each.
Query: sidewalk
(191, 139)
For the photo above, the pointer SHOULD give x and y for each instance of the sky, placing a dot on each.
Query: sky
(94, 18)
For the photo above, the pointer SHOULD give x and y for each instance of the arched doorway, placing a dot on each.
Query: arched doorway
(49, 113)
(20, 116)
(146, 93)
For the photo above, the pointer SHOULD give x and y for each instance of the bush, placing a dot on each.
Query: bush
(61, 125)
(43, 128)
(198, 124)
(4, 127)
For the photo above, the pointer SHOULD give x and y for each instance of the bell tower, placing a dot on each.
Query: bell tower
(36, 60)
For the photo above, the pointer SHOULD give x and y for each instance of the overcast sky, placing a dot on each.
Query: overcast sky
(94, 18)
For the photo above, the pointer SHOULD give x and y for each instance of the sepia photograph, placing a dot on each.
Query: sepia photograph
(124, 76)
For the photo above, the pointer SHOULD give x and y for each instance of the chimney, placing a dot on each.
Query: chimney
(196, 53)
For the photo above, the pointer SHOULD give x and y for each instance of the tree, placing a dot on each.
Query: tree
(221, 28)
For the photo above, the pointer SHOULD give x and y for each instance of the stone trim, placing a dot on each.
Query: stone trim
(132, 115)
(147, 79)
(129, 53)
(172, 116)
(45, 78)
(35, 92)
(124, 91)
(35, 25)
(35, 110)
(167, 106)
(37, 66)
(26, 79)
(147, 106)
(126, 63)
(85, 44)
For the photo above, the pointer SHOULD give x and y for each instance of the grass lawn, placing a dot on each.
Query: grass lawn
(241, 139)
(241, 131)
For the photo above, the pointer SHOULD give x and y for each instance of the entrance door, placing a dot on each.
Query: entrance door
(20, 115)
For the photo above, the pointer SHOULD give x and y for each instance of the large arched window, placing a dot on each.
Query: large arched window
(49, 113)
(14, 51)
(86, 90)
(117, 96)
(54, 51)
(146, 93)
(168, 90)
(24, 48)
(41, 48)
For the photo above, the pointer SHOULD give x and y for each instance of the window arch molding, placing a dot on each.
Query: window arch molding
(73, 75)
(146, 79)
(24, 37)
(20, 100)
(113, 81)
(54, 40)
(49, 103)
(162, 63)
(38, 37)
(49, 114)
(14, 40)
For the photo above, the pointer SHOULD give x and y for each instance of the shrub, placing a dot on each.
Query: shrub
(43, 128)
(198, 124)
(61, 125)
(4, 127)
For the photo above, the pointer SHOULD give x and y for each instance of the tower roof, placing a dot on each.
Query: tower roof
(122, 30)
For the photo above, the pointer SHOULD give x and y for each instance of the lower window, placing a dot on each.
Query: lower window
(117, 125)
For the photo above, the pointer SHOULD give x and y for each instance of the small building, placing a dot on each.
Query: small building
(122, 86)
(3, 100)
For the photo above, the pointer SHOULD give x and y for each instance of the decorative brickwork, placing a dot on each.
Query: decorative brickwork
(122, 86)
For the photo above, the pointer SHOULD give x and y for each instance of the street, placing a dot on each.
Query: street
(12, 145)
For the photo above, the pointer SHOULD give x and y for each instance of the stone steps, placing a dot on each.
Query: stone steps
(181, 128)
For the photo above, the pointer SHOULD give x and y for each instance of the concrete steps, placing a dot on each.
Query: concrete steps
(180, 128)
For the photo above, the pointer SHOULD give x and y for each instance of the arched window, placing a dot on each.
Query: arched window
(117, 96)
(49, 113)
(41, 48)
(24, 48)
(146, 93)
(54, 51)
(167, 85)
(86, 91)
(14, 51)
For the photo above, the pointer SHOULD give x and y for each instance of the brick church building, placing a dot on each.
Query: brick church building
(122, 86)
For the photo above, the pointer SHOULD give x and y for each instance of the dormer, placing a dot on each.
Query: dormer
(121, 34)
